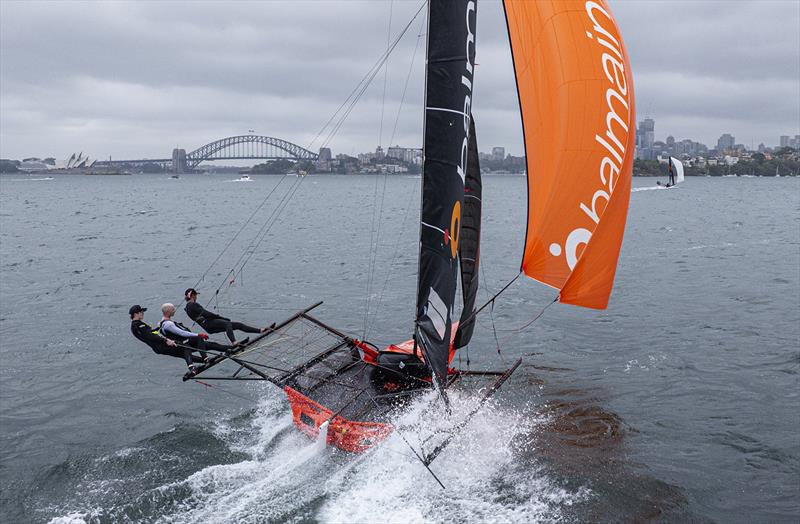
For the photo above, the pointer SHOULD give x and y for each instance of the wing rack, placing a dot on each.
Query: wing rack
(323, 374)
(329, 379)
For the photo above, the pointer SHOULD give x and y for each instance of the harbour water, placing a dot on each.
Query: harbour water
(678, 403)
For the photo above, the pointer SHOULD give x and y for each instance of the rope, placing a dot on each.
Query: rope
(537, 317)
(368, 325)
(356, 89)
(374, 250)
(385, 74)
(249, 219)
(250, 250)
(390, 270)
(491, 300)
(408, 77)
(206, 384)
(367, 80)
(350, 102)
(414, 451)
(375, 235)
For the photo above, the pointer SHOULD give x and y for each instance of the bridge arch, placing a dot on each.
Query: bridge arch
(245, 147)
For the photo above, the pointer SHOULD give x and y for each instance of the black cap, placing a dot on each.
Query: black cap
(189, 291)
(136, 309)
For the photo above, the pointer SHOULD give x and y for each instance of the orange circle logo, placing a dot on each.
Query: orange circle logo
(455, 228)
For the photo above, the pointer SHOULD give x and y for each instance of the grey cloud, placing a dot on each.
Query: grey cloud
(137, 78)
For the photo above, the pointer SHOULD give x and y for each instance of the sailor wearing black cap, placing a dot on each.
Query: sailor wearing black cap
(161, 345)
(213, 323)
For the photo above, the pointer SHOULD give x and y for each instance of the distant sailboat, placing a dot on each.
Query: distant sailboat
(675, 172)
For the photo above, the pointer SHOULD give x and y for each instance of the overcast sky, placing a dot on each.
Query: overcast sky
(134, 80)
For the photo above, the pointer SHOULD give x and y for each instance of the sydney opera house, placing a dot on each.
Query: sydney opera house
(75, 164)
(77, 161)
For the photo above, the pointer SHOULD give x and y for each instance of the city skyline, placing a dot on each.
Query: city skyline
(141, 79)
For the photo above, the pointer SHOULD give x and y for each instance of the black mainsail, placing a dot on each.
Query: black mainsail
(448, 99)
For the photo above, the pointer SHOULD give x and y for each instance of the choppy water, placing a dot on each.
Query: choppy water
(678, 403)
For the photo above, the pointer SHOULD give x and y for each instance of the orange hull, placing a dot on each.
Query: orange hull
(347, 435)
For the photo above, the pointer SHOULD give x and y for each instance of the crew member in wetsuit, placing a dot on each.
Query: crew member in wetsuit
(671, 175)
(181, 334)
(214, 323)
(159, 344)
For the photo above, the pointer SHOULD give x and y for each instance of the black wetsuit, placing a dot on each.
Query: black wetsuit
(186, 337)
(214, 323)
(158, 343)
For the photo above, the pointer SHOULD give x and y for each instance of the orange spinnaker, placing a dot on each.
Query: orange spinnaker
(576, 98)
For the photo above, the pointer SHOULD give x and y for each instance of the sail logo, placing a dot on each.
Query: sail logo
(466, 81)
(613, 140)
(454, 235)
(437, 312)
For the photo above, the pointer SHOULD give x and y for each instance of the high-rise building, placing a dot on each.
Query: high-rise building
(784, 141)
(649, 128)
(645, 138)
(726, 142)
(498, 153)
(396, 152)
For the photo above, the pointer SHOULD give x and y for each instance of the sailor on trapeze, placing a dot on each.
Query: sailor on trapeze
(214, 323)
(671, 175)
(167, 346)
(182, 335)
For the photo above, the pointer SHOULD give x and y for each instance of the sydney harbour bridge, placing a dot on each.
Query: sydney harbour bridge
(242, 147)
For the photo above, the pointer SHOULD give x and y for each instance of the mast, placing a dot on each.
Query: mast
(448, 100)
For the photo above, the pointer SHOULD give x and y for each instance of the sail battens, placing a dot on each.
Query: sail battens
(440, 230)
(576, 100)
(462, 113)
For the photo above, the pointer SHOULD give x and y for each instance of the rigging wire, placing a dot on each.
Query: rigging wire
(374, 249)
(491, 300)
(385, 74)
(352, 99)
(370, 258)
(249, 219)
(258, 238)
(369, 324)
(371, 74)
(229, 392)
(420, 34)
(390, 270)
(357, 88)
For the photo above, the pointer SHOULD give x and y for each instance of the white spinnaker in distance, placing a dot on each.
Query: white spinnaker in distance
(677, 165)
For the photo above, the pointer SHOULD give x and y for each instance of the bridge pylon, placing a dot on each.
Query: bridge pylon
(178, 160)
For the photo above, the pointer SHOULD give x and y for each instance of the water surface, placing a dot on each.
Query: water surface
(678, 403)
